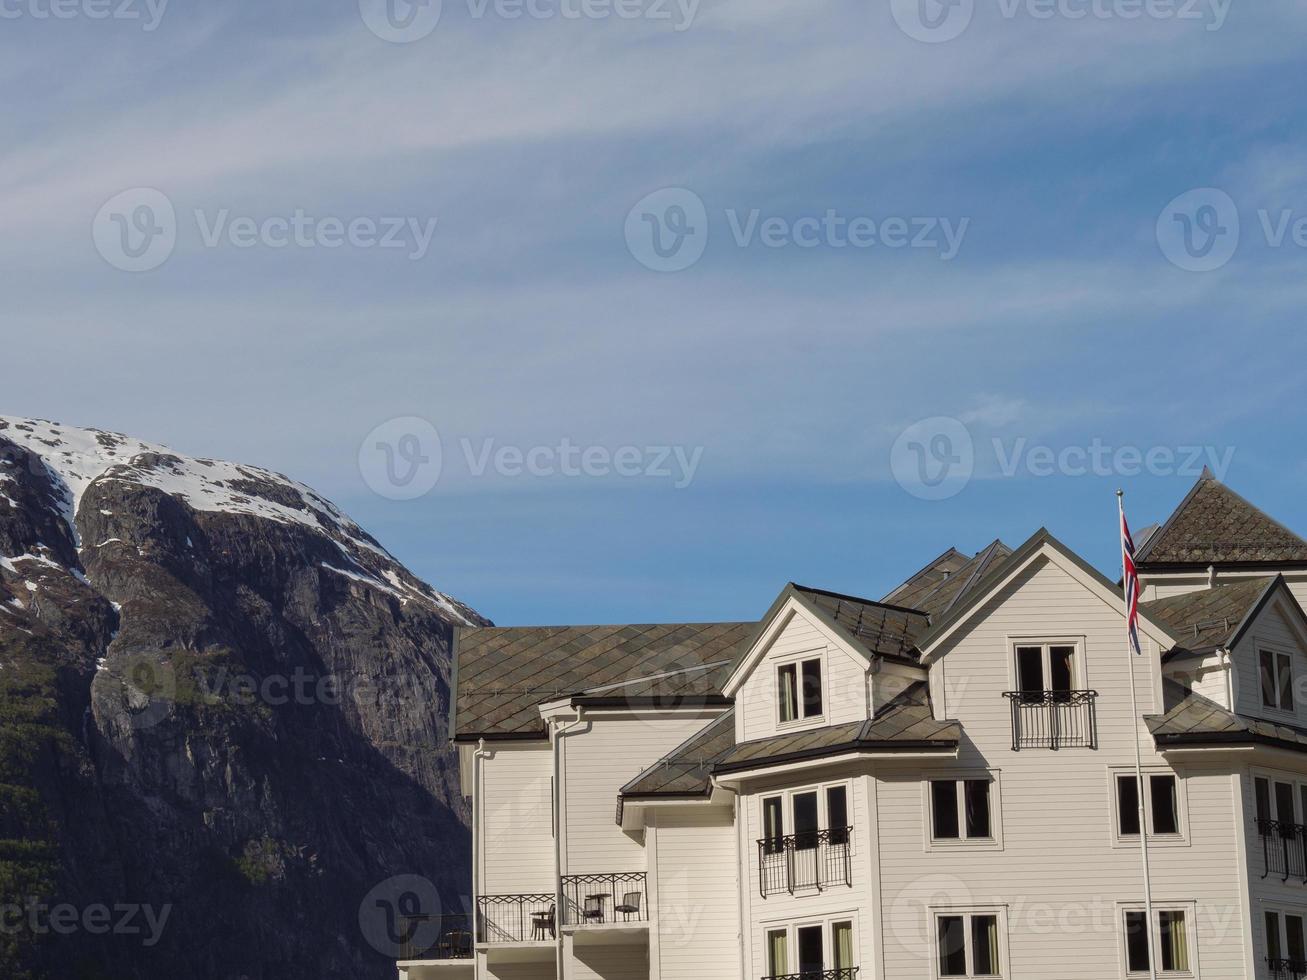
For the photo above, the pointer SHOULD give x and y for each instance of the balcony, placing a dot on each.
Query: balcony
(842, 973)
(436, 937)
(812, 859)
(605, 899)
(516, 918)
(1286, 969)
(1053, 719)
(1283, 850)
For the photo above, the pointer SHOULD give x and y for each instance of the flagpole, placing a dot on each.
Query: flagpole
(1134, 734)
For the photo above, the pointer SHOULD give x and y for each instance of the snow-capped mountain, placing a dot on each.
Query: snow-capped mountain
(219, 695)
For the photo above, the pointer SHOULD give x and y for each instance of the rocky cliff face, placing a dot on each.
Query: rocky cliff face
(222, 710)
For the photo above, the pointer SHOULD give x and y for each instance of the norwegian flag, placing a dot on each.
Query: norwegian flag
(1131, 579)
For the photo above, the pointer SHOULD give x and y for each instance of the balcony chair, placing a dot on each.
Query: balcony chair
(594, 909)
(630, 905)
(542, 924)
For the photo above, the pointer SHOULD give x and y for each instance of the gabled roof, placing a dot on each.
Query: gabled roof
(503, 674)
(1195, 721)
(1215, 526)
(904, 724)
(925, 581)
(878, 629)
(1212, 619)
(686, 770)
(954, 590)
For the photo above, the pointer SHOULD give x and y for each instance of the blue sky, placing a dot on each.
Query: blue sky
(1058, 144)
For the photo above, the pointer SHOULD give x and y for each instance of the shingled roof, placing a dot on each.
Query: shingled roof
(1193, 720)
(503, 674)
(1209, 618)
(1215, 526)
(928, 579)
(686, 770)
(875, 627)
(905, 724)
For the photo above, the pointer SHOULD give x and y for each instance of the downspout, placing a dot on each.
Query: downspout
(558, 840)
(477, 756)
(742, 875)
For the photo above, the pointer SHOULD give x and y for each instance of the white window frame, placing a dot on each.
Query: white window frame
(1190, 910)
(1297, 781)
(967, 911)
(1180, 839)
(1080, 680)
(1276, 653)
(1280, 911)
(994, 842)
(827, 921)
(797, 661)
(823, 816)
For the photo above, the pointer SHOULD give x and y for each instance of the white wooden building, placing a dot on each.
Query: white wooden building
(937, 784)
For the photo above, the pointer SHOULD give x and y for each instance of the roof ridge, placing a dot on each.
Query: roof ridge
(985, 556)
(855, 598)
(951, 550)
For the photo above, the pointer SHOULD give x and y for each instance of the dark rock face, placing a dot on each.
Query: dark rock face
(222, 712)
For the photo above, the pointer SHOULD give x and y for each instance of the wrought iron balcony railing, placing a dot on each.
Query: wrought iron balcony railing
(436, 937)
(1053, 719)
(1284, 849)
(604, 899)
(516, 918)
(813, 859)
(1283, 969)
(841, 973)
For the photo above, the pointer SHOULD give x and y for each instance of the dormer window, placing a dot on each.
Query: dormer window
(798, 690)
(1277, 680)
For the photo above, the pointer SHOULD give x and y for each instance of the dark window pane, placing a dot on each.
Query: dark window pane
(977, 801)
(1136, 942)
(805, 820)
(811, 958)
(944, 809)
(811, 688)
(837, 814)
(1127, 805)
(1284, 803)
(1286, 682)
(952, 946)
(787, 692)
(773, 823)
(984, 945)
(1060, 669)
(1262, 796)
(1030, 671)
(1268, 679)
(1162, 795)
(1272, 921)
(1293, 930)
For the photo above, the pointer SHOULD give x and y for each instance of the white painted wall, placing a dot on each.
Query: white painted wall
(516, 811)
(698, 911)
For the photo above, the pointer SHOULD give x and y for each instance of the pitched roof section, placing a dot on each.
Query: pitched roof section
(686, 770)
(502, 674)
(1215, 526)
(1209, 618)
(924, 582)
(955, 589)
(1193, 720)
(905, 724)
(880, 630)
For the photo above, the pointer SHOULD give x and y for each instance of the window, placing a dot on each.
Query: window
(1046, 668)
(812, 948)
(806, 821)
(773, 823)
(1285, 936)
(812, 957)
(1275, 800)
(1171, 940)
(778, 952)
(799, 691)
(1277, 680)
(960, 810)
(842, 946)
(1163, 805)
(968, 945)
(837, 814)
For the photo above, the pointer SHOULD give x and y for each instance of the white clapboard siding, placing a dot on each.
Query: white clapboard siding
(607, 962)
(516, 811)
(698, 894)
(600, 757)
(517, 971)
(844, 681)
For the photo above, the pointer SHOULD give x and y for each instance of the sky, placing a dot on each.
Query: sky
(635, 310)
